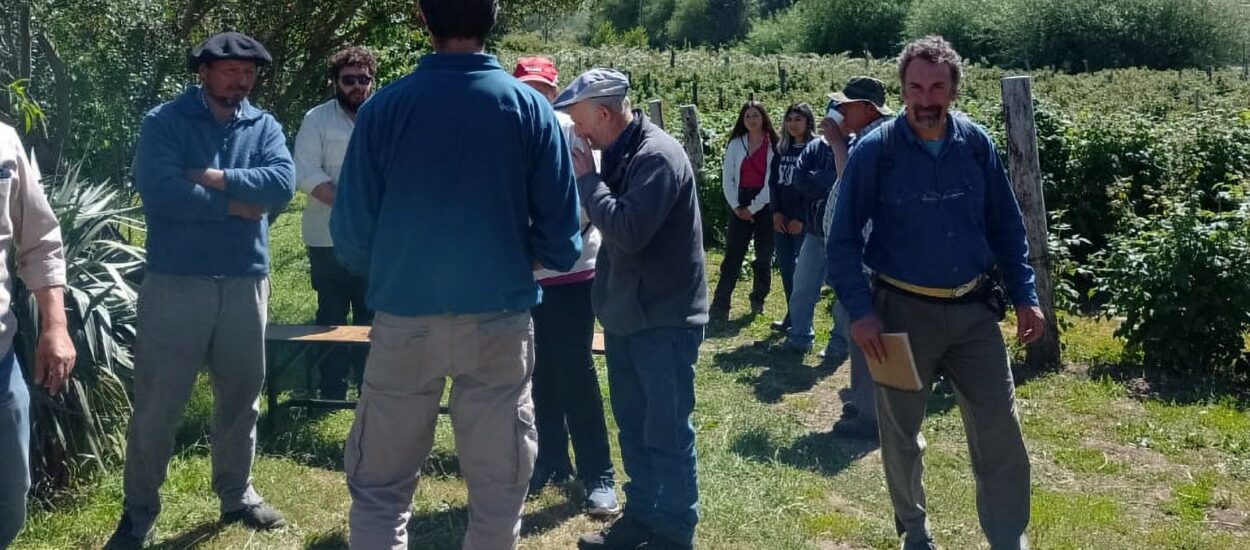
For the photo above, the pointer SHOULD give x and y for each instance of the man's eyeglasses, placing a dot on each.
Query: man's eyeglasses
(354, 79)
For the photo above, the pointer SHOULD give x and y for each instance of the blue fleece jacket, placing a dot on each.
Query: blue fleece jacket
(189, 231)
(457, 180)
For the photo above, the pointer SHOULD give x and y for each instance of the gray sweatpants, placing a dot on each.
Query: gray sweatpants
(186, 324)
(965, 342)
(490, 359)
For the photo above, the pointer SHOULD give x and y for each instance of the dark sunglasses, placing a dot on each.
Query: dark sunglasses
(352, 80)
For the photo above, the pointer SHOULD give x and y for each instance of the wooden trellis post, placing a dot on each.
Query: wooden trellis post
(692, 137)
(1026, 180)
(655, 111)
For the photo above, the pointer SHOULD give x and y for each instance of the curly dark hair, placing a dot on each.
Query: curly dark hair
(933, 49)
(353, 56)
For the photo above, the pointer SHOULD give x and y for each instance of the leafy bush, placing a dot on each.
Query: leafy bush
(973, 27)
(855, 26)
(1179, 279)
(82, 430)
(528, 42)
(784, 32)
(709, 22)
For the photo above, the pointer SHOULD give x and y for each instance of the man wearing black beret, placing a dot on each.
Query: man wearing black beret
(209, 168)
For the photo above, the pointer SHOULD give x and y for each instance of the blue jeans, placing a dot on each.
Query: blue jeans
(14, 449)
(786, 247)
(809, 278)
(651, 380)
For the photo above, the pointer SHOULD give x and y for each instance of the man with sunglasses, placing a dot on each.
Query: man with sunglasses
(319, 149)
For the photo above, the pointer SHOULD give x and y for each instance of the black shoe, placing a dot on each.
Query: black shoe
(785, 349)
(919, 545)
(660, 543)
(849, 411)
(856, 429)
(780, 326)
(259, 517)
(124, 538)
(757, 308)
(625, 533)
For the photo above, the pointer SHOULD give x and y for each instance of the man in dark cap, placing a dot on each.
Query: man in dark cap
(210, 168)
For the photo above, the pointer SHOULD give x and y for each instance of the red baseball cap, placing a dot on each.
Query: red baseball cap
(539, 69)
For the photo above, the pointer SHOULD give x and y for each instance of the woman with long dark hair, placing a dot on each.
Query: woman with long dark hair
(744, 176)
(786, 202)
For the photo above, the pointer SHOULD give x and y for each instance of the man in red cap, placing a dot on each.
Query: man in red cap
(567, 402)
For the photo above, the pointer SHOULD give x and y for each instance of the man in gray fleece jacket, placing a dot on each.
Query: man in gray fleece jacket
(650, 294)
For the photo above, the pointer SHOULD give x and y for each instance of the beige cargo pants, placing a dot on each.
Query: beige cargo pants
(489, 359)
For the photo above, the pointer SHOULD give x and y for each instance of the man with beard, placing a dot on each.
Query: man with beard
(943, 218)
(319, 149)
(209, 168)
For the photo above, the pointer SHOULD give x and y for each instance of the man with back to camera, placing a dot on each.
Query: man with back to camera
(449, 232)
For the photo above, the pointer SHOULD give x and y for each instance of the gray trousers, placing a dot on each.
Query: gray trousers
(490, 359)
(862, 392)
(186, 324)
(964, 341)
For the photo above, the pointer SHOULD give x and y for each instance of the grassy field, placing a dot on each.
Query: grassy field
(1120, 459)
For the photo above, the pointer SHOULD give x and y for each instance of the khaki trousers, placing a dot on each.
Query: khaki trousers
(489, 359)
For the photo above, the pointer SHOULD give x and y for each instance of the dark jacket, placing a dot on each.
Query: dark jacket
(814, 176)
(650, 270)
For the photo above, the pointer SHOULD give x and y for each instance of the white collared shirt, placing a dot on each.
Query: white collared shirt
(320, 147)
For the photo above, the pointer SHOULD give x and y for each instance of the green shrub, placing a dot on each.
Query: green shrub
(783, 32)
(82, 430)
(709, 22)
(528, 42)
(974, 27)
(1178, 278)
(854, 26)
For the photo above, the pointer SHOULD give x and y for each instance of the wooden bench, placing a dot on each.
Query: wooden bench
(307, 346)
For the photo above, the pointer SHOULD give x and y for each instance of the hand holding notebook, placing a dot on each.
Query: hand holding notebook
(898, 370)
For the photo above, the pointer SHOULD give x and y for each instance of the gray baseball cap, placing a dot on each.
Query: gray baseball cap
(591, 84)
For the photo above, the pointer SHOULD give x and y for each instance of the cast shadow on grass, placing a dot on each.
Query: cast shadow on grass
(445, 528)
(783, 373)
(820, 452)
(729, 328)
(1154, 383)
(201, 534)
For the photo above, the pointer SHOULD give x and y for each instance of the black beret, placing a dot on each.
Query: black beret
(228, 45)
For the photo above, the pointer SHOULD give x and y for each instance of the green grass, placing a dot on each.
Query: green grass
(1110, 471)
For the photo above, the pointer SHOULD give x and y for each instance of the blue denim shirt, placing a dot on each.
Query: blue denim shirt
(936, 221)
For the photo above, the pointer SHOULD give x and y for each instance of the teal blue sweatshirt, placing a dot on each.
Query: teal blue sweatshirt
(189, 231)
(457, 180)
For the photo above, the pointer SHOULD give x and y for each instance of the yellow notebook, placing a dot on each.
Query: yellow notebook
(899, 369)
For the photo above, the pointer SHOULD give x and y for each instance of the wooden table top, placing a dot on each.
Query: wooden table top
(347, 335)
